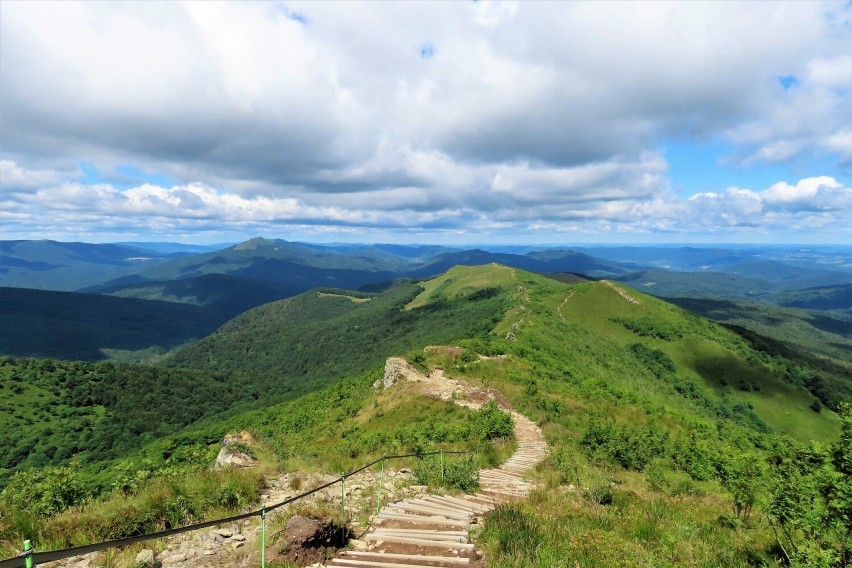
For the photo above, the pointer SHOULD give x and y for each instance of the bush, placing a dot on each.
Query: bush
(489, 422)
(459, 472)
(631, 448)
(45, 491)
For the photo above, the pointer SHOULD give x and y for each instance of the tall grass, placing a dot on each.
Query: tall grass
(163, 504)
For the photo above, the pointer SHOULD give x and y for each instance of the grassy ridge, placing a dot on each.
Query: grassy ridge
(654, 415)
(297, 345)
(654, 460)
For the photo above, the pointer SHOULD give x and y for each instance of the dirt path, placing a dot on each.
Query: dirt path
(433, 530)
(415, 529)
(621, 292)
(565, 301)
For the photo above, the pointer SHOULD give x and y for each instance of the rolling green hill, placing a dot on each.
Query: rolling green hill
(51, 265)
(222, 293)
(818, 298)
(316, 338)
(664, 283)
(313, 339)
(666, 429)
(826, 333)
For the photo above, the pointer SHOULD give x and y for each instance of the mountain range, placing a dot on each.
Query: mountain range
(221, 283)
(660, 422)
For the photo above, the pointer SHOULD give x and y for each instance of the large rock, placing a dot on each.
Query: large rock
(233, 452)
(395, 368)
(306, 541)
(146, 559)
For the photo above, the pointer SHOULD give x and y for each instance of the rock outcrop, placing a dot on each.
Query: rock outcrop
(396, 368)
(235, 452)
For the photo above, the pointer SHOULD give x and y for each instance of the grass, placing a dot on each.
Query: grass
(638, 525)
(162, 504)
(354, 299)
(571, 364)
(461, 281)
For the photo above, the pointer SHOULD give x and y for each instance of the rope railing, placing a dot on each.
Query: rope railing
(29, 558)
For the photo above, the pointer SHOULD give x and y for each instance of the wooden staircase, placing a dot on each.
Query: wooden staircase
(433, 530)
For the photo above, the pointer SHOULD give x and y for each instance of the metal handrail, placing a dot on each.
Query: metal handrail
(29, 558)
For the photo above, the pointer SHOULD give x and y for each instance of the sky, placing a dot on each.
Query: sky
(430, 122)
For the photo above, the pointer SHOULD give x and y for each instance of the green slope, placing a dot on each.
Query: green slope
(317, 338)
(824, 333)
(703, 353)
(648, 408)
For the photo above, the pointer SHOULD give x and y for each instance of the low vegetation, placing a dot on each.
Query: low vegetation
(674, 440)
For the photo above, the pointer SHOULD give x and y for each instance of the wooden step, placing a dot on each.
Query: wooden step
(419, 542)
(396, 556)
(422, 519)
(430, 511)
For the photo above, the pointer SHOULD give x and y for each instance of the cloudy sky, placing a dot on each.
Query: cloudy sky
(454, 122)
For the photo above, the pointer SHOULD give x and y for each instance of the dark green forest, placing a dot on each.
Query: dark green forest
(298, 344)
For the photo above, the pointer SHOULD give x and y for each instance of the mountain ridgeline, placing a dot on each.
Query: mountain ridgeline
(651, 411)
(226, 281)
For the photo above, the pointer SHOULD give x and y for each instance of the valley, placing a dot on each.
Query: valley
(662, 424)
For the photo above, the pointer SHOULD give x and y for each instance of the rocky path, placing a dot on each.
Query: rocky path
(415, 529)
(433, 530)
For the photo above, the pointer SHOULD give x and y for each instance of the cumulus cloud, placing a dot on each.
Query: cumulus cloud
(465, 116)
(812, 203)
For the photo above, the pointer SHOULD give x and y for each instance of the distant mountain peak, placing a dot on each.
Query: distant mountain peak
(258, 242)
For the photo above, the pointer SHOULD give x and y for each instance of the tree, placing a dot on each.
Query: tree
(810, 504)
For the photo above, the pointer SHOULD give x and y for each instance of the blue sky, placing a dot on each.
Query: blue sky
(457, 123)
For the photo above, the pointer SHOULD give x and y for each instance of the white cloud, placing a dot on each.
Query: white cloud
(541, 114)
(812, 203)
(14, 177)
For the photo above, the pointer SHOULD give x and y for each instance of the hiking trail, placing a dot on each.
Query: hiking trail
(433, 530)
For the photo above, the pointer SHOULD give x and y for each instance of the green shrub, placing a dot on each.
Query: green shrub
(629, 447)
(489, 422)
(459, 472)
(45, 491)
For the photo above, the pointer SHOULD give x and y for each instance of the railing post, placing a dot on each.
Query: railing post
(342, 507)
(263, 538)
(28, 550)
(442, 466)
(381, 486)
(342, 496)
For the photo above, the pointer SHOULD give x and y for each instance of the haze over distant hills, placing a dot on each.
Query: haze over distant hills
(630, 387)
(221, 283)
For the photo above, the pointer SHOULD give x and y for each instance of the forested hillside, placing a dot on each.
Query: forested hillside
(70, 325)
(52, 410)
(314, 339)
(674, 440)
